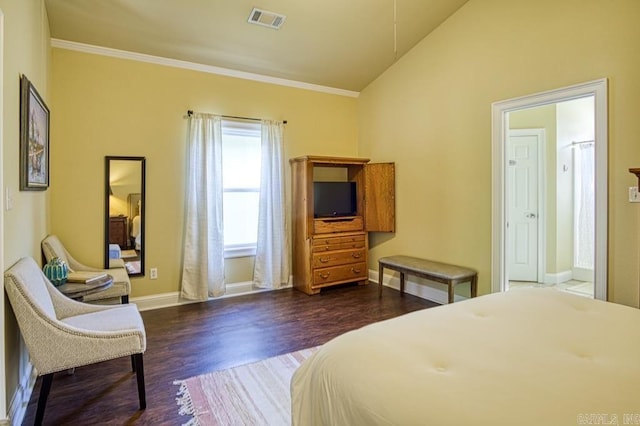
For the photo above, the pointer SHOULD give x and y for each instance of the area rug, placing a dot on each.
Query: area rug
(251, 394)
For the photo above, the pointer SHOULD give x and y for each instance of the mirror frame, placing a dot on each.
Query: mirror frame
(500, 111)
(107, 193)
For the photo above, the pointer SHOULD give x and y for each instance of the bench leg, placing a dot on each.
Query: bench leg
(401, 283)
(451, 291)
(474, 286)
(380, 278)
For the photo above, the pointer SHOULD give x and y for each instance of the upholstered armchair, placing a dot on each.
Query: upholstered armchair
(62, 334)
(52, 247)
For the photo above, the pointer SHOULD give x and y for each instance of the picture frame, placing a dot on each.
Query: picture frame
(34, 138)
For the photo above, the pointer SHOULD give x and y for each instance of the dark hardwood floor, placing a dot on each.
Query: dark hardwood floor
(189, 340)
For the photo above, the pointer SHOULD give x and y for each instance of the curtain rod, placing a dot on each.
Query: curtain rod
(190, 113)
(581, 142)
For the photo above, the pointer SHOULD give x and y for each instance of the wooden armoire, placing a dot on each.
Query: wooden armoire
(334, 250)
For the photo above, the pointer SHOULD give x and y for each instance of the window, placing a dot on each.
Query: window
(241, 146)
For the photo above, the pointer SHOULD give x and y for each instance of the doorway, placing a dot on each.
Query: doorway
(572, 228)
(3, 376)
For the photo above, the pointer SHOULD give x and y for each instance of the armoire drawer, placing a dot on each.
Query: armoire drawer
(338, 243)
(344, 273)
(335, 258)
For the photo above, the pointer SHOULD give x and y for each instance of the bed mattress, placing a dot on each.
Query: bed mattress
(525, 357)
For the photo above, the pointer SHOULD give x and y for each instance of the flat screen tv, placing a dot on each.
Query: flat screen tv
(334, 199)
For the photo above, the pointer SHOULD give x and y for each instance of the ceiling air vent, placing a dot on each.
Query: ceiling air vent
(266, 18)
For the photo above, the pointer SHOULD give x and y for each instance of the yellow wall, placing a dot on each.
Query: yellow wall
(431, 114)
(108, 106)
(26, 51)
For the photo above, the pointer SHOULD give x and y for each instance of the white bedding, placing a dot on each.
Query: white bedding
(525, 357)
(135, 232)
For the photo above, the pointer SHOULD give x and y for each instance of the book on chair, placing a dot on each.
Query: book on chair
(86, 277)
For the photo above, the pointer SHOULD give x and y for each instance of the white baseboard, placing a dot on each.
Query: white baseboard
(420, 287)
(558, 277)
(582, 274)
(425, 289)
(165, 300)
(20, 400)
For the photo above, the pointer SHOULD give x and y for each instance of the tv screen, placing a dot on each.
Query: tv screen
(334, 199)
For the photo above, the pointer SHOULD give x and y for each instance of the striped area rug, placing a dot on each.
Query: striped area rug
(251, 394)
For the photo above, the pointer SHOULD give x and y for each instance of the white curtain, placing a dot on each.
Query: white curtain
(271, 268)
(585, 206)
(203, 263)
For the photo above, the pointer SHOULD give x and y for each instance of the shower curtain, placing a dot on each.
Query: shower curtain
(585, 207)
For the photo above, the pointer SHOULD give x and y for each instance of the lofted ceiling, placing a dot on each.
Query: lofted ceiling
(343, 44)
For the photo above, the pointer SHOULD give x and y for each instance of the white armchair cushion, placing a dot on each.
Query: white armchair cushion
(36, 291)
(120, 318)
(53, 247)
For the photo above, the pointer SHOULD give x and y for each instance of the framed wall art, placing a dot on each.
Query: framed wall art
(34, 139)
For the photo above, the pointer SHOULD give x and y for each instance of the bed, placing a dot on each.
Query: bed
(526, 357)
(134, 201)
(135, 232)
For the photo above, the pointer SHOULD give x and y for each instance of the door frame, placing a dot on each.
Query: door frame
(596, 88)
(542, 195)
(3, 373)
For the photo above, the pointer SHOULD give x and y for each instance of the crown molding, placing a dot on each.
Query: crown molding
(158, 60)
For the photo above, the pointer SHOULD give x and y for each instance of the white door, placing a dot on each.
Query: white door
(522, 205)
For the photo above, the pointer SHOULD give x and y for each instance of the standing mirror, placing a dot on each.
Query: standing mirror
(550, 185)
(124, 218)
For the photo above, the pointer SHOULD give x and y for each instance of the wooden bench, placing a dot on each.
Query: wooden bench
(435, 271)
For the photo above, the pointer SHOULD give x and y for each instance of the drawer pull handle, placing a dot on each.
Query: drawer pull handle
(356, 255)
(355, 270)
(324, 260)
(324, 276)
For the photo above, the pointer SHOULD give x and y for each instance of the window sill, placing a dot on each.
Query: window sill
(233, 252)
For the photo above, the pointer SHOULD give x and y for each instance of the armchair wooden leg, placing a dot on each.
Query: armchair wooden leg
(47, 379)
(139, 366)
(124, 299)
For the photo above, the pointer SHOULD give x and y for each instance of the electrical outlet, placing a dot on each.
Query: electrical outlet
(153, 273)
(634, 196)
